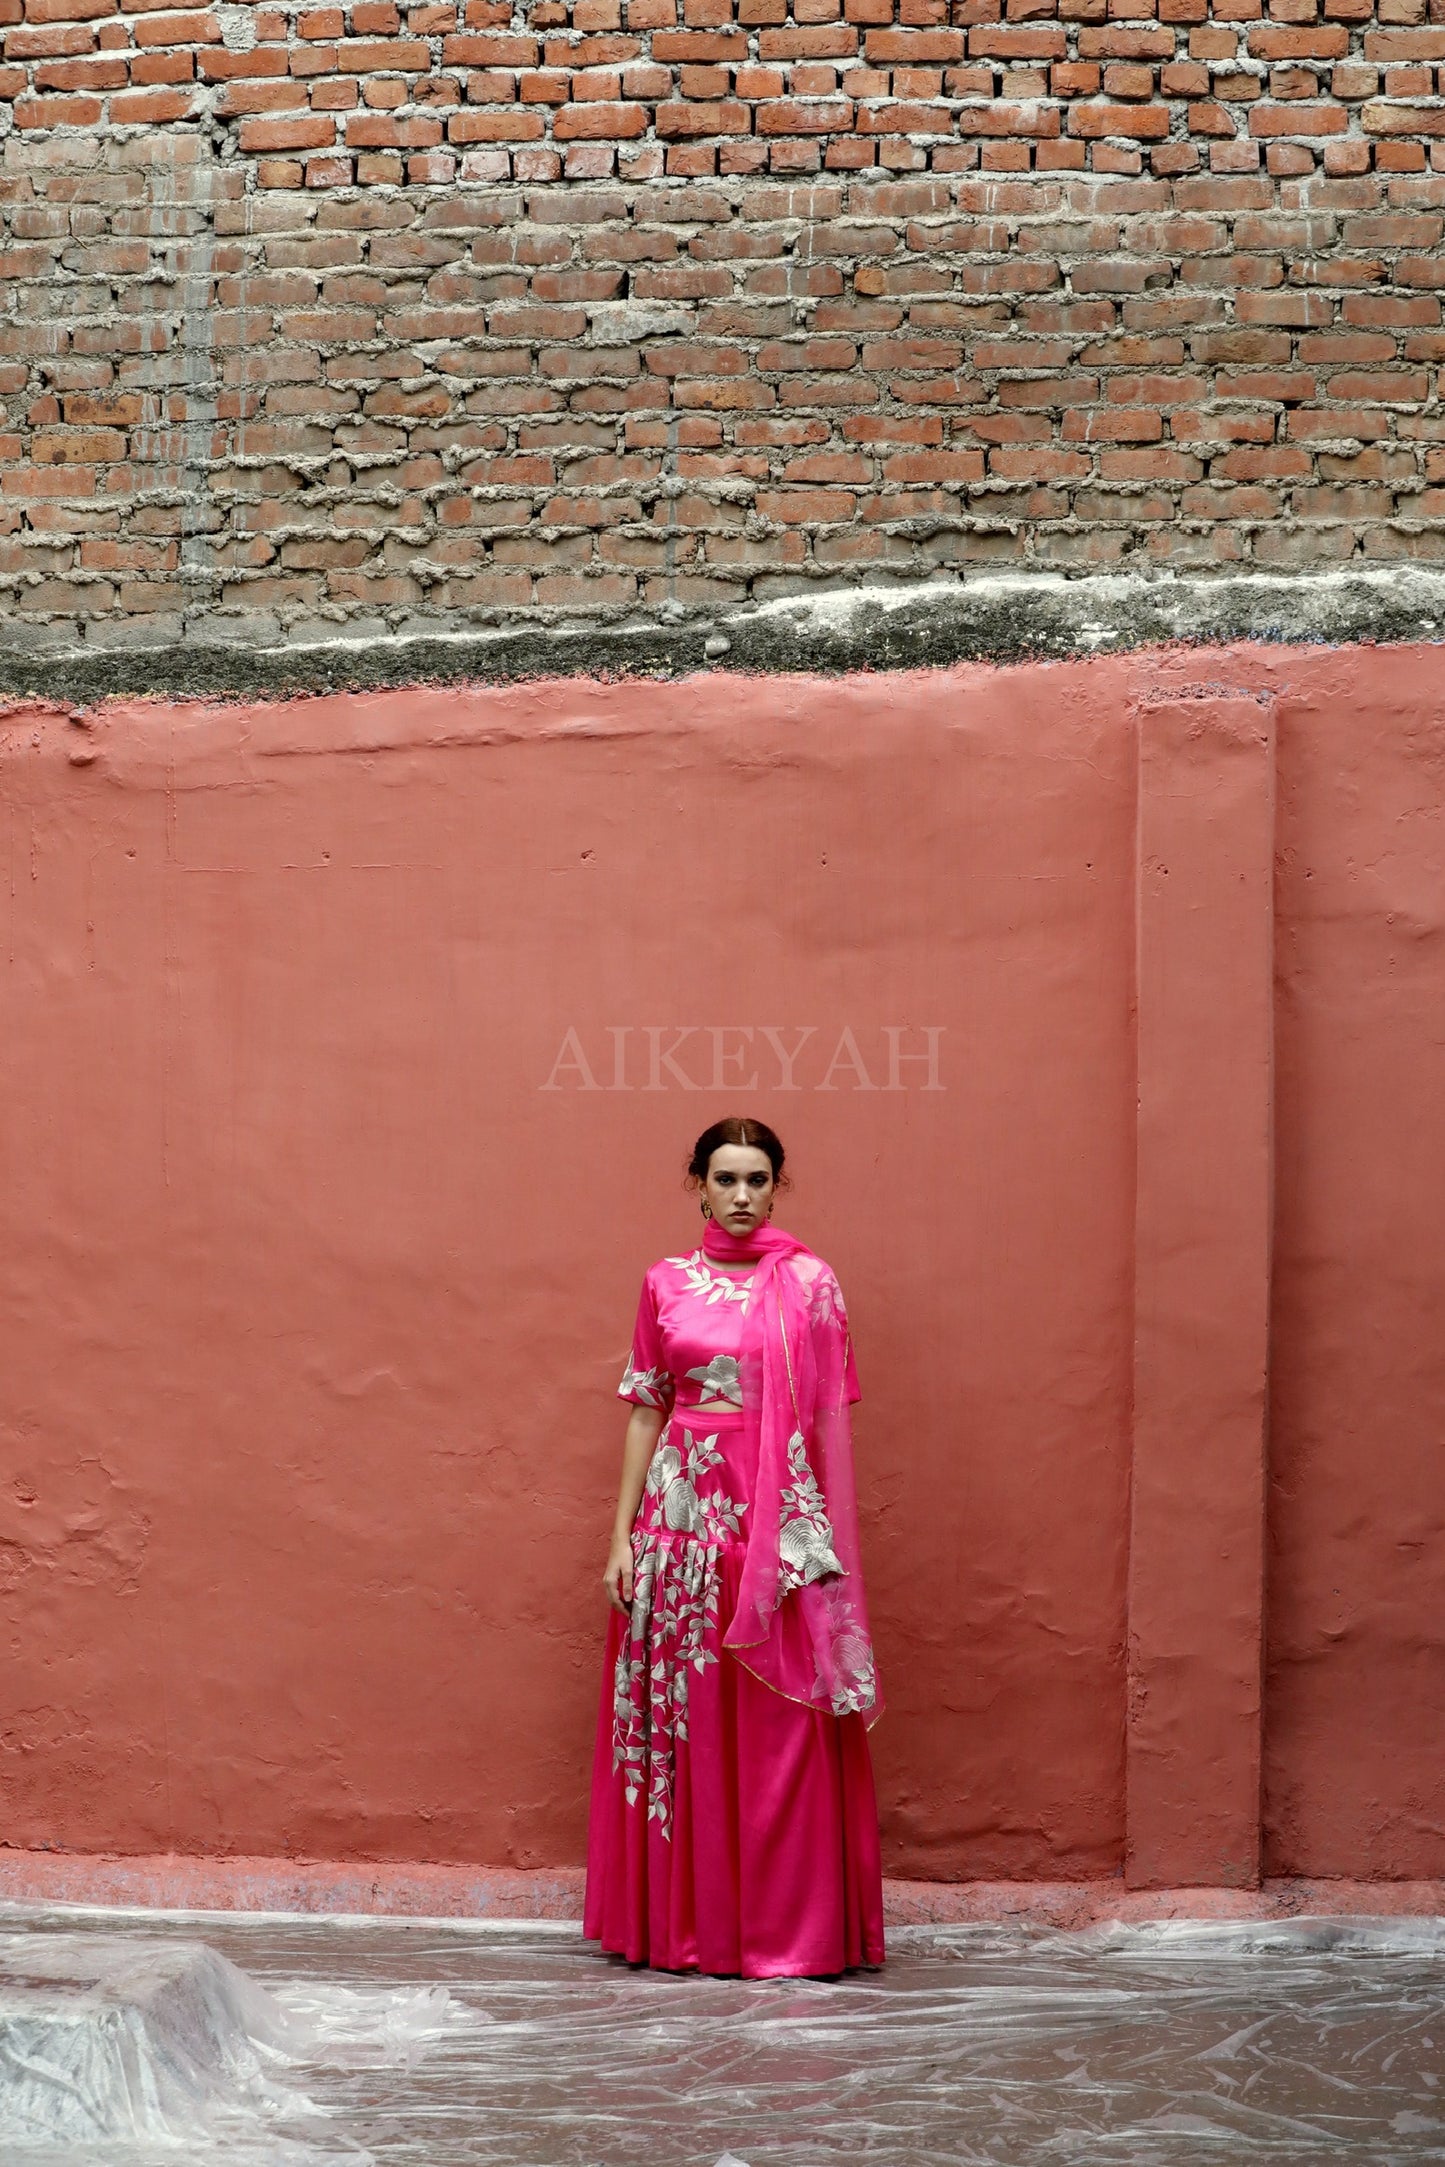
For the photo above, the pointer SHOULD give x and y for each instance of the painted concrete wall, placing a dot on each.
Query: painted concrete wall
(343, 1105)
(1357, 1494)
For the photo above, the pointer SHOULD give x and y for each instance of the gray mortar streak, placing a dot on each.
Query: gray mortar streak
(826, 632)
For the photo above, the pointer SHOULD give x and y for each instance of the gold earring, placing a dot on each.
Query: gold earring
(706, 1208)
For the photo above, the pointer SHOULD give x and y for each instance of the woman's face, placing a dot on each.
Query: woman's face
(739, 1186)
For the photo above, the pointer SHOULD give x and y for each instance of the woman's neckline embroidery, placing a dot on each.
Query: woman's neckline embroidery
(712, 1285)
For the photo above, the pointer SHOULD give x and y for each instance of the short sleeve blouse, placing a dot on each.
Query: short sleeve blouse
(647, 1381)
(689, 1328)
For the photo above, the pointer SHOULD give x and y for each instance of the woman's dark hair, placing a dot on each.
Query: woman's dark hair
(736, 1129)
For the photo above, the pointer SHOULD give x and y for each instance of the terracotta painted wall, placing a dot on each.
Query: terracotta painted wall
(1357, 1498)
(313, 1298)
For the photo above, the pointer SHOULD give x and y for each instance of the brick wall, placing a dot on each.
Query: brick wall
(384, 316)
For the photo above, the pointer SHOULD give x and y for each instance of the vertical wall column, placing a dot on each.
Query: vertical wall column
(1203, 1210)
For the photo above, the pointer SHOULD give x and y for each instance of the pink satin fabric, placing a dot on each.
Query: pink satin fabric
(733, 1827)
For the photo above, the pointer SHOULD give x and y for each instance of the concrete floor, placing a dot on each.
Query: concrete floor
(1166, 2045)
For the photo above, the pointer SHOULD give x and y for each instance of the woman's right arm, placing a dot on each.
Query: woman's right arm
(643, 1430)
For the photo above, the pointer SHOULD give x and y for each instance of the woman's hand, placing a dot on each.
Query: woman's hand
(638, 1448)
(618, 1577)
(644, 1427)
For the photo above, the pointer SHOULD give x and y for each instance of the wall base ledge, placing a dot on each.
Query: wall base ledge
(821, 630)
(331, 1887)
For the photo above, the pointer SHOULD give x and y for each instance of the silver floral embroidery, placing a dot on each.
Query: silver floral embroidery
(824, 1297)
(649, 1385)
(854, 1689)
(710, 1286)
(805, 1533)
(719, 1379)
(673, 1628)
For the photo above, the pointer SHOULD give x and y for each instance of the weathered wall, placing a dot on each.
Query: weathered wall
(313, 1297)
(1357, 1565)
(378, 320)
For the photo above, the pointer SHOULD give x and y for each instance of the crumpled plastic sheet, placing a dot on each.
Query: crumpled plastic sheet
(118, 2048)
(1295, 2043)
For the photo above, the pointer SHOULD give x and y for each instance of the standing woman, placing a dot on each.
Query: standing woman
(733, 1827)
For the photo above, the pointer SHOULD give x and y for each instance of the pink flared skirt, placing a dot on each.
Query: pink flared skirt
(732, 1831)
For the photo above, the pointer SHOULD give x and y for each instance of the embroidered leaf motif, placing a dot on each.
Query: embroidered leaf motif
(853, 1685)
(719, 1379)
(672, 1632)
(710, 1286)
(825, 1302)
(805, 1533)
(649, 1385)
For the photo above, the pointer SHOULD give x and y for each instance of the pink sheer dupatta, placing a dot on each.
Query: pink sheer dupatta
(801, 1619)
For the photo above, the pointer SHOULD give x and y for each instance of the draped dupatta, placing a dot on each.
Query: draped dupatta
(801, 1619)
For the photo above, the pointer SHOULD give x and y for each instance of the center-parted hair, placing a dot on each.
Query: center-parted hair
(736, 1129)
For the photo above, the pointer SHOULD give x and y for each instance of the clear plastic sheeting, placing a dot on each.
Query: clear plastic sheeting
(1294, 2042)
(122, 2047)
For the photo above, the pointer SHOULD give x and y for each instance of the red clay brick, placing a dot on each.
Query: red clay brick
(97, 72)
(1090, 119)
(76, 112)
(1220, 336)
(310, 133)
(155, 108)
(55, 43)
(610, 122)
(171, 29)
(682, 118)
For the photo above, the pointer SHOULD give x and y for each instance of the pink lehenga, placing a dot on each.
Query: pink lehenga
(733, 1826)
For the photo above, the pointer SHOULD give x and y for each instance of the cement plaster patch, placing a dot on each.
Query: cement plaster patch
(824, 628)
